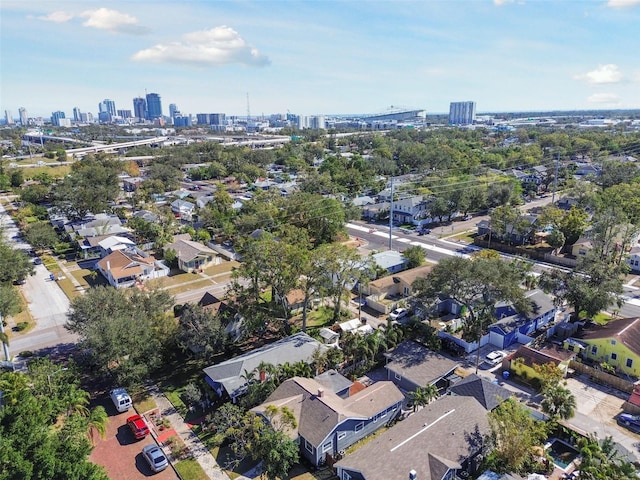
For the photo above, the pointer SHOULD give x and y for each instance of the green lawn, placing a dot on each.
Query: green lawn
(320, 317)
(190, 469)
(224, 267)
(143, 402)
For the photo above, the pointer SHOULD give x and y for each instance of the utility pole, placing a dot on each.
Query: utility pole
(555, 179)
(391, 217)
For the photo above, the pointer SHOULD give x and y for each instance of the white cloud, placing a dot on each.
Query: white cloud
(609, 73)
(56, 17)
(113, 21)
(607, 98)
(499, 3)
(622, 3)
(215, 47)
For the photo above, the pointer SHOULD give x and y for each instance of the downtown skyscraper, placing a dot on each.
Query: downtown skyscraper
(462, 113)
(140, 108)
(154, 106)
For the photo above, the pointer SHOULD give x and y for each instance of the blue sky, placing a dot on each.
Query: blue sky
(320, 57)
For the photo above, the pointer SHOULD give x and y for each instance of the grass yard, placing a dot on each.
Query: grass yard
(602, 318)
(224, 455)
(465, 237)
(224, 267)
(55, 170)
(299, 472)
(190, 469)
(143, 402)
(320, 317)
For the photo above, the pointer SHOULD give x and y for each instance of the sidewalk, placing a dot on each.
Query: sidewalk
(190, 439)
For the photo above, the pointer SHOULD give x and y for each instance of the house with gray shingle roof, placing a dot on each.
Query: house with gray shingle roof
(228, 378)
(327, 423)
(192, 255)
(411, 365)
(439, 441)
(487, 393)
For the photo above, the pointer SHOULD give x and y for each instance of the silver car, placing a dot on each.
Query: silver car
(155, 458)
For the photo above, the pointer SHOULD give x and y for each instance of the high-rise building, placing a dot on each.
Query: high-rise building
(154, 106)
(462, 113)
(173, 108)
(139, 108)
(182, 121)
(124, 113)
(108, 106)
(77, 114)
(24, 118)
(8, 117)
(56, 116)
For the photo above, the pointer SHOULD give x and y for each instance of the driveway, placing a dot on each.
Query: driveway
(120, 453)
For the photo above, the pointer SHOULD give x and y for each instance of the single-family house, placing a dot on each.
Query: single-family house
(328, 424)
(411, 365)
(228, 316)
(375, 211)
(90, 246)
(439, 442)
(487, 393)
(383, 293)
(192, 255)
(145, 215)
(523, 360)
(125, 268)
(183, 209)
(633, 259)
(616, 343)
(94, 225)
(581, 247)
(411, 210)
(390, 260)
(114, 242)
(228, 378)
(513, 327)
(131, 184)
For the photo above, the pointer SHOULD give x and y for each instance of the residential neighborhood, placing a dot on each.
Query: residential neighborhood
(267, 317)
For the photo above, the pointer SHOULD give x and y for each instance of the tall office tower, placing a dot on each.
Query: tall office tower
(8, 117)
(182, 121)
(317, 122)
(56, 116)
(462, 113)
(172, 110)
(202, 118)
(24, 118)
(154, 106)
(139, 108)
(217, 119)
(77, 114)
(108, 106)
(124, 114)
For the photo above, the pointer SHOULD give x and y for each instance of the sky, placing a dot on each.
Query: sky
(319, 56)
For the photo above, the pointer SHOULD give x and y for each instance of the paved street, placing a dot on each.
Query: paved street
(47, 303)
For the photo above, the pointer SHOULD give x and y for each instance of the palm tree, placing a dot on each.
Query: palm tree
(423, 396)
(97, 422)
(558, 403)
(77, 402)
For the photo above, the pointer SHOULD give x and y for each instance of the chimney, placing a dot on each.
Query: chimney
(413, 475)
(320, 392)
(108, 265)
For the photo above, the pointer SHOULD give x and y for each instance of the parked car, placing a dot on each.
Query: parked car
(494, 358)
(121, 399)
(632, 422)
(155, 458)
(424, 231)
(37, 261)
(138, 426)
(398, 313)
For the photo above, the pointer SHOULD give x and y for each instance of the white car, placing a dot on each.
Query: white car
(494, 358)
(398, 313)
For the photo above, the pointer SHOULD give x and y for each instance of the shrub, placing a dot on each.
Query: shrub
(21, 326)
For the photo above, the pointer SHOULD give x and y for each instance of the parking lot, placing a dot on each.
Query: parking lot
(120, 453)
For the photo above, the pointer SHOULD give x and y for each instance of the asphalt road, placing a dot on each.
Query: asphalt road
(46, 301)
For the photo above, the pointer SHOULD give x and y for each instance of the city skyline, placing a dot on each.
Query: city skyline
(320, 57)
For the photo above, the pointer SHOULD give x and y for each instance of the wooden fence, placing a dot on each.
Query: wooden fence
(603, 377)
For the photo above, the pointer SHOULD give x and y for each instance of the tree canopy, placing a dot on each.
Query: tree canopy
(124, 332)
